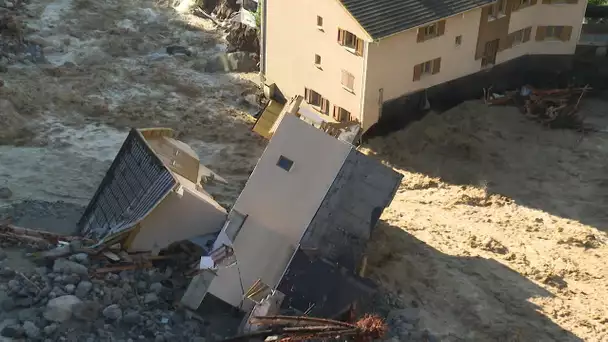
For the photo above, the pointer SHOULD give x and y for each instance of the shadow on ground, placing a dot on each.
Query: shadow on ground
(454, 298)
(561, 172)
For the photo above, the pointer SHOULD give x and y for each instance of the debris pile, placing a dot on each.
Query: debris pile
(555, 108)
(80, 292)
(302, 328)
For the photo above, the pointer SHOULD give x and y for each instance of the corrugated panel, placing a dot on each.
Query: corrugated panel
(135, 183)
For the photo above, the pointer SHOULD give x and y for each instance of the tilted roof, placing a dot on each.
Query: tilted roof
(382, 18)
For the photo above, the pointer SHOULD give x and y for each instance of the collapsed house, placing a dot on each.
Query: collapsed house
(295, 239)
(298, 231)
(153, 196)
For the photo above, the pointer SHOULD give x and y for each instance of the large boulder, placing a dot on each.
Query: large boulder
(68, 267)
(243, 38)
(233, 62)
(60, 309)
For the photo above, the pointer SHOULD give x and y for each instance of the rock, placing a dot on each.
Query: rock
(50, 329)
(5, 192)
(68, 267)
(176, 49)
(7, 272)
(132, 317)
(2, 255)
(69, 288)
(31, 330)
(112, 312)
(156, 287)
(83, 289)
(150, 298)
(81, 258)
(243, 38)
(8, 304)
(71, 279)
(30, 314)
(87, 310)
(159, 338)
(14, 285)
(12, 331)
(142, 285)
(60, 309)
(234, 61)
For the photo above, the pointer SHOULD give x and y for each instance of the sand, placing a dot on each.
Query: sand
(498, 231)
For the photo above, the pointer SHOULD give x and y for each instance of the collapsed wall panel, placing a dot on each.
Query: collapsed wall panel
(135, 183)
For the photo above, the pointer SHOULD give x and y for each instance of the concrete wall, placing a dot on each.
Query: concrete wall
(280, 205)
(545, 15)
(343, 224)
(293, 39)
(391, 61)
(178, 218)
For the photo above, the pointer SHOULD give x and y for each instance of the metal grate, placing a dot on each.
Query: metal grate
(136, 181)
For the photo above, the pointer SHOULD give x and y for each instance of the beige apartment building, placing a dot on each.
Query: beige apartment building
(350, 57)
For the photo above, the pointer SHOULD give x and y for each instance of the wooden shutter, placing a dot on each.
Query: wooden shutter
(335, 113)
(359, 46)
(436, 65)
(307, 95)
(541, 32)
(420, 35)
(417, 71)
(527, 32)
(441, 28)
(566, 33)
(341, 36)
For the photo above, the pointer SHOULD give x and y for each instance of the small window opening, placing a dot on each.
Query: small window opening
(458, 40)
(285, 163)
(317, 60)
(319, 22)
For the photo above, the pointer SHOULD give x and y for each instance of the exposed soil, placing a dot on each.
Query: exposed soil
(84, 72)
(498, 231)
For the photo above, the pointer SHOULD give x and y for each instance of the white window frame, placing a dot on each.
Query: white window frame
(431, 30)
(424, 71)
(350, 40)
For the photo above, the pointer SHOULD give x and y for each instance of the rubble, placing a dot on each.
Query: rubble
(555, 108)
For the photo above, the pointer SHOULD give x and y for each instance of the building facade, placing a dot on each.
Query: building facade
(350, 57)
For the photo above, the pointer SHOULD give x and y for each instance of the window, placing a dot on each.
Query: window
(518, 37)
(285, 163)
(497, 10)
(562, 33)
(316, 100)
(341, 114)
(427, 68)
(319, 22)
(234, 224)
(350, 41)
(431, 31)
(554, 32)
(458, 40)
(317, 60)
(348, 80)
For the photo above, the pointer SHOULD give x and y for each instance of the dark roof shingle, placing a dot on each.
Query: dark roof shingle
(382, 18)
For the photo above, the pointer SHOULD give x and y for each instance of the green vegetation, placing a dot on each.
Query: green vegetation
(258, 14)
(598, 2)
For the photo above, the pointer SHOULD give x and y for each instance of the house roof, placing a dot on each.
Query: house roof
(382, 18)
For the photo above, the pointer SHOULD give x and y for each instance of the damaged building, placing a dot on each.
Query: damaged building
(299, 228)
(295, 239)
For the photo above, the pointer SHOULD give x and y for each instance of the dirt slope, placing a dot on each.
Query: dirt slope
(498, 231)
